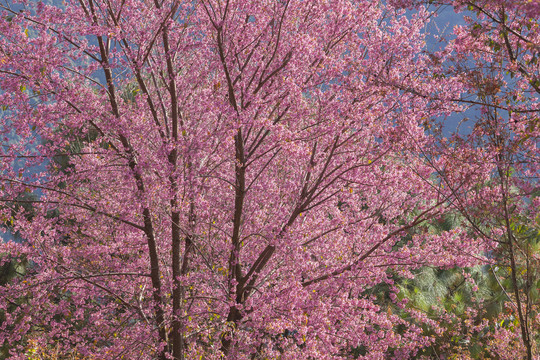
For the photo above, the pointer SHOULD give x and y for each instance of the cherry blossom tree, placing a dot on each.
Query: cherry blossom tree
(222, 178)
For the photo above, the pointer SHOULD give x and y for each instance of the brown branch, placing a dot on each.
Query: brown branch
(418, 220)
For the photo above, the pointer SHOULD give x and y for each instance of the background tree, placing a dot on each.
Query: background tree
(496, 56)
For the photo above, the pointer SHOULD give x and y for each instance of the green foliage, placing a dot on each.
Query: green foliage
(470, 305)
(10, 269)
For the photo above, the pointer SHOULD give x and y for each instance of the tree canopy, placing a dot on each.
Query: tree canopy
(258, 179)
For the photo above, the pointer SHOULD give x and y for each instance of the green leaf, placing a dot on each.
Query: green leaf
(476, 351)
(533, 293)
